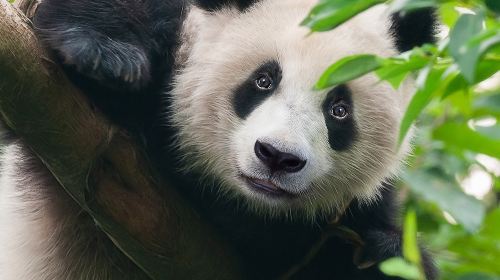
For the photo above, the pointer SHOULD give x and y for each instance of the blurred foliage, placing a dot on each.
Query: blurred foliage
(451, 185)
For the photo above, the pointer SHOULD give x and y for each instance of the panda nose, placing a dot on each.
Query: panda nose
(277, 160)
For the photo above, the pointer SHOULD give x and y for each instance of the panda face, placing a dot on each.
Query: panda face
(248, 115)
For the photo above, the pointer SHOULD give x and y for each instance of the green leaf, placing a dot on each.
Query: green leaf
(497, 184)
(489, 42)
(396, 69)
(398, 267)
(491, 227)
(485, 105)
(493, 5)
(485, 35)
(487, 67)
(474, 253)
(349, 68)
(410, 247)
(329, 14)
(461, 136)
(467, 26)
(445, 192)
(484, 42)
(457, 84)
(492, 132)
(478, 276)
(482, 250)
(430, 81)
(449, 14)
(394, 79)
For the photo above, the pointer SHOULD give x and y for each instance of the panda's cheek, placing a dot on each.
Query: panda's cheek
(240, 148)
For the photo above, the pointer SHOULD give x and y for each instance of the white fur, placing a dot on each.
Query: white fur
(44, 235)
(228, 47)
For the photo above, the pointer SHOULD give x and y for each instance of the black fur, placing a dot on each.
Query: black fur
(114, 47)
(341, 133)
(270, 248)
(414, 28)
(213, 5)
(247, 96)
(101, 43)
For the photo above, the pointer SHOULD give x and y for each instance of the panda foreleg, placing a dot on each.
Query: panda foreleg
(96, 56)
(381, 235)
(104, 41)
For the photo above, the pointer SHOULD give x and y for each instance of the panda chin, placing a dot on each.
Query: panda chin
(267, 188)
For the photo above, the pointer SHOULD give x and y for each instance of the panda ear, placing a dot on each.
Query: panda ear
(415, 28)
(213, 5)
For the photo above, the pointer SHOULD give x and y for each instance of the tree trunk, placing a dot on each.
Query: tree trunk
(96, 161)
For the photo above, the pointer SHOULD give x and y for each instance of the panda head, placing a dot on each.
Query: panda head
(248, 114)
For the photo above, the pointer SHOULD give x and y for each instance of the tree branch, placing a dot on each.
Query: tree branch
(101, 167)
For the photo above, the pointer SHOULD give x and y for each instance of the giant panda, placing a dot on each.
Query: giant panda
(221, 95)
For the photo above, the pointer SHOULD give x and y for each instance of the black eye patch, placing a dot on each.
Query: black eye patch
(259, 86)
(341, 131)
(213, 5)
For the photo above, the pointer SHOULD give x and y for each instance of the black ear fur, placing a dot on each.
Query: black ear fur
(415, 28)
(212, 5)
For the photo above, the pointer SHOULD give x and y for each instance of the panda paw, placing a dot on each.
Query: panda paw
(378, 246)
(110, 62)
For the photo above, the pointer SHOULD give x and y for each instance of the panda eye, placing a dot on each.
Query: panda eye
(339, 111)
(264, 82)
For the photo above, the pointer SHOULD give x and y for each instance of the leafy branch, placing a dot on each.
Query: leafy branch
(448, 76)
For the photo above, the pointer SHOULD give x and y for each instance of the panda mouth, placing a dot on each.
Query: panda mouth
(266, 187)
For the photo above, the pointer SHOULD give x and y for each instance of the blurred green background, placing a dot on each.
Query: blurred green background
(454, 190)
(450, 186)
